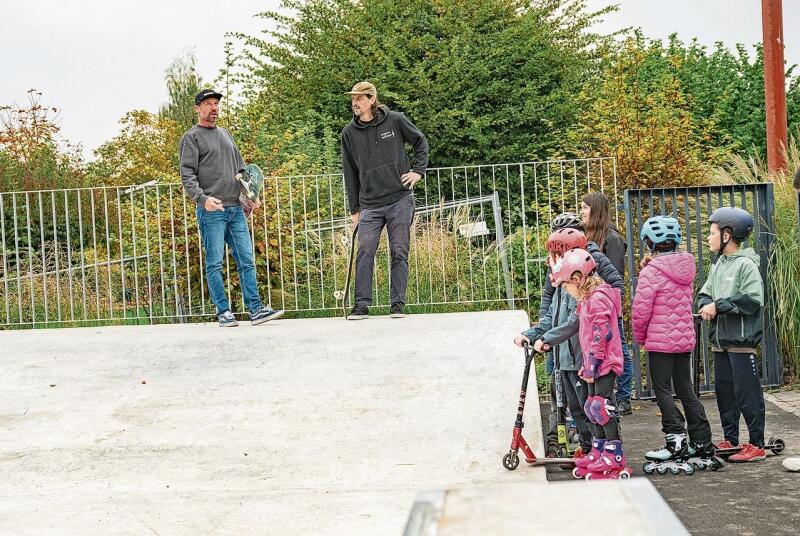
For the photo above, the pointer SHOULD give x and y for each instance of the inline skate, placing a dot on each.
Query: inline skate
(672, 458)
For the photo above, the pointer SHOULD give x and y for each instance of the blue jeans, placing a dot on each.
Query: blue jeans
(624, 380)
(218, 228)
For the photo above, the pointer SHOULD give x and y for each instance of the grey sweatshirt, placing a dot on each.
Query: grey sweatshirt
(209, 164)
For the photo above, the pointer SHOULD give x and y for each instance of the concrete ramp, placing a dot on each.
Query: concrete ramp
(318, 426)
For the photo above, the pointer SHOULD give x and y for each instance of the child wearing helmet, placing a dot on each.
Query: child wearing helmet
(566, 233)
(663, 324)
(558, 331)
(731, 300)
(598, 308)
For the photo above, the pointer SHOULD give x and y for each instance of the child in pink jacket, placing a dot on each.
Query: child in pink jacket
(663, 324)
(599, 307)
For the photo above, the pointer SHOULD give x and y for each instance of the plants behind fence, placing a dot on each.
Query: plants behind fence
(133, 255)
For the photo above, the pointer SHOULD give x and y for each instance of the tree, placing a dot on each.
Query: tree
(486, 80)
(183, 83)
(146, 149)
(32, 156)
(637, 110)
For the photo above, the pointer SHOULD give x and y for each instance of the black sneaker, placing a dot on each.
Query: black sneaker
(265, 314)
(227, 320)
(397, 311)
(359, 312)
(624, 407)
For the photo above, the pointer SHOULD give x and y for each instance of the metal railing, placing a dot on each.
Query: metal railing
(134, 255)
(692, 206)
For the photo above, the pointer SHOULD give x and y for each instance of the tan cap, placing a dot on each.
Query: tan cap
(363, 88)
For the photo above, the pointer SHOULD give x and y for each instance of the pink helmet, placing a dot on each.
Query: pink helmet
(574, 260)
(563, 240)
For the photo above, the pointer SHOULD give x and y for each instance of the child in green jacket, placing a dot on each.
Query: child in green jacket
(731, 299)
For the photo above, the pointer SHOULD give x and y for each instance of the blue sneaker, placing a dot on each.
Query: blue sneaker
(265, 314)
(227, 320)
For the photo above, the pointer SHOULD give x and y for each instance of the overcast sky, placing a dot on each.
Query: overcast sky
(98, 59)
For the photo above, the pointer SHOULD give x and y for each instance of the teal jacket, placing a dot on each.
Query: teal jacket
(559, 329)
(734, 285)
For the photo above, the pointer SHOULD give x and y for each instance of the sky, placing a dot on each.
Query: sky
(96, 60)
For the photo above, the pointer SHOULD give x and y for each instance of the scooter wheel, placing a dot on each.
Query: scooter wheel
(648, 468)
(779, 446)
(511, 461)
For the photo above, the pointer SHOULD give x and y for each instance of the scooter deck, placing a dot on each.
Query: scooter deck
(551, 461)
(774, 445)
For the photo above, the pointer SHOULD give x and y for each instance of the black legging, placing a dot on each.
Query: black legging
(604, 386)
(666, 368)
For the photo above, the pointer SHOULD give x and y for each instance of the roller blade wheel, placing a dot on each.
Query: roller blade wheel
(649, 468)
(511, 461)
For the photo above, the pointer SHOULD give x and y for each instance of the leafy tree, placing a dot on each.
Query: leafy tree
(183, 83)
(638, 111)
(146, 149)
(486, 80)
(32, 155)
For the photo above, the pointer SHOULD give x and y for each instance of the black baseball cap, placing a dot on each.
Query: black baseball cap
(206, 94)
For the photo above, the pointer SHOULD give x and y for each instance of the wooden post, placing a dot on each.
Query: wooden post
(774, 83)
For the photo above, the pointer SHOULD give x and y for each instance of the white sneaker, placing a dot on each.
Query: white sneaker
(792, 464)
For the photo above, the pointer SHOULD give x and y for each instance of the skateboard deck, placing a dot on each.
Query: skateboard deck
(251, 183)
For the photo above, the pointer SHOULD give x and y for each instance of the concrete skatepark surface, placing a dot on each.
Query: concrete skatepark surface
(316, 426)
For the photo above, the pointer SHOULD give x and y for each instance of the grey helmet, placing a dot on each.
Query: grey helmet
(566, 220)
(738, 220)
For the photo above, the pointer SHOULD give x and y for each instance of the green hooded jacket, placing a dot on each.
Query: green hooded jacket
(734, 285)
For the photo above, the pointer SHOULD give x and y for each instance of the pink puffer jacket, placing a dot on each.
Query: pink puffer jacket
(662, 306)
(599, 330)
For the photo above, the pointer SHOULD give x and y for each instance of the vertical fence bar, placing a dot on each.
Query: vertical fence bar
(6, 295)
(30, 257)
(108, 253)
(44, 259)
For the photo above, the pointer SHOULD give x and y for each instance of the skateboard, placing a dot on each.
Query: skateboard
(251, 183)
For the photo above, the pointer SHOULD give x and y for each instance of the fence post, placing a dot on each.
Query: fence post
(501, 247)
(636, 377)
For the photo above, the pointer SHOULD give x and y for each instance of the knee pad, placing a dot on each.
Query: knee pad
(587, 409)
(601, 409)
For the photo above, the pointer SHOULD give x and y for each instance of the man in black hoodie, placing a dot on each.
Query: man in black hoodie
(380, 180)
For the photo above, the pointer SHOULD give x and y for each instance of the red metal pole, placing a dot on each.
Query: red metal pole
(774, 83)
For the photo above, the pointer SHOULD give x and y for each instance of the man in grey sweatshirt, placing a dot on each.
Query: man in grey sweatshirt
(379, 180)
(209, 164)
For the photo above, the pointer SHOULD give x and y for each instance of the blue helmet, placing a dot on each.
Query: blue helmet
(660, 229)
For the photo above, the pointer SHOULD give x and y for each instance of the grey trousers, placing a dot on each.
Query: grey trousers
(397, 219)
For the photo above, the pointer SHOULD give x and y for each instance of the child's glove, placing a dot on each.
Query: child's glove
(592, 370)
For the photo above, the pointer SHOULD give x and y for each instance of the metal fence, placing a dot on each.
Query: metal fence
(691, 207)
(133, 255)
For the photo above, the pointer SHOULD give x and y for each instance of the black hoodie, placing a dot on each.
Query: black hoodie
(374, 158)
